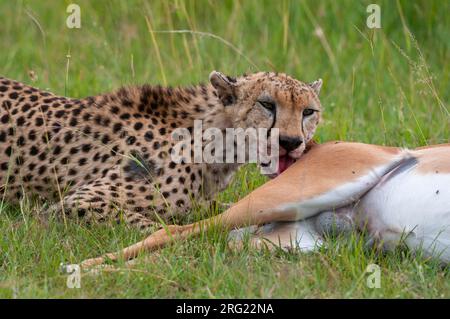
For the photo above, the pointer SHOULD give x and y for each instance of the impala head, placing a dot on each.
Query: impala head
(272, 100)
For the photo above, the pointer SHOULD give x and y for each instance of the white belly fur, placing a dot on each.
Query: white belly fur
(406, 204)
(411, 206)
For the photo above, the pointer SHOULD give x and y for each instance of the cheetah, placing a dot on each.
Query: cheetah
(107, 157)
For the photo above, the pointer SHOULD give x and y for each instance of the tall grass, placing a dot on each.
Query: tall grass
(385, 86)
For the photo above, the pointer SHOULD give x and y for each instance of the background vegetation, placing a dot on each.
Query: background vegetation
(387, 86)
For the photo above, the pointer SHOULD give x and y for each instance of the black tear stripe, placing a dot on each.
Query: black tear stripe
(303, 128)
(140, 168)
(273, 121)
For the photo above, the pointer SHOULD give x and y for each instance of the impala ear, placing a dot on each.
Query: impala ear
(316, 86)
(225, 87)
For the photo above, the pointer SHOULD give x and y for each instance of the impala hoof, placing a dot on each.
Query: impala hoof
(333, 225)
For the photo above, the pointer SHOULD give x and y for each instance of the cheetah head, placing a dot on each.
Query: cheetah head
(272, 100)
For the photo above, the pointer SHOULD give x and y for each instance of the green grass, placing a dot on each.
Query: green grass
(386, 86)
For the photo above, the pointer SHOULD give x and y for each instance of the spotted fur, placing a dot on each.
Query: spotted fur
(108, 156)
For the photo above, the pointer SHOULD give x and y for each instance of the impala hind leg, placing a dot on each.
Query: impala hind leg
(290, 236)
(304, 235)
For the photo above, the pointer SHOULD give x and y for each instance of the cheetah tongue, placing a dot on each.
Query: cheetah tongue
(284, 162)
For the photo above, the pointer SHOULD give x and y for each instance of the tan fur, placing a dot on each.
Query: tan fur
(320, 170)
(433, 160)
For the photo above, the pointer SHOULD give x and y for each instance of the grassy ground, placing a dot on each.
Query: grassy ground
(385, 86)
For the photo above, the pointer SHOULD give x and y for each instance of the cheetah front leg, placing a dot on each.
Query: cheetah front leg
(90, 213)
(102, 200)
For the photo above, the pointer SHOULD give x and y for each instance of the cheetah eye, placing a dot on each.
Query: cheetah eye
(308, 112)
(268, 105)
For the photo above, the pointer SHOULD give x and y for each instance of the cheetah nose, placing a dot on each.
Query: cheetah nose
(290, 143)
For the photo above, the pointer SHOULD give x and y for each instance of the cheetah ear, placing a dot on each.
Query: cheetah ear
(225, 87)
(316, 86)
